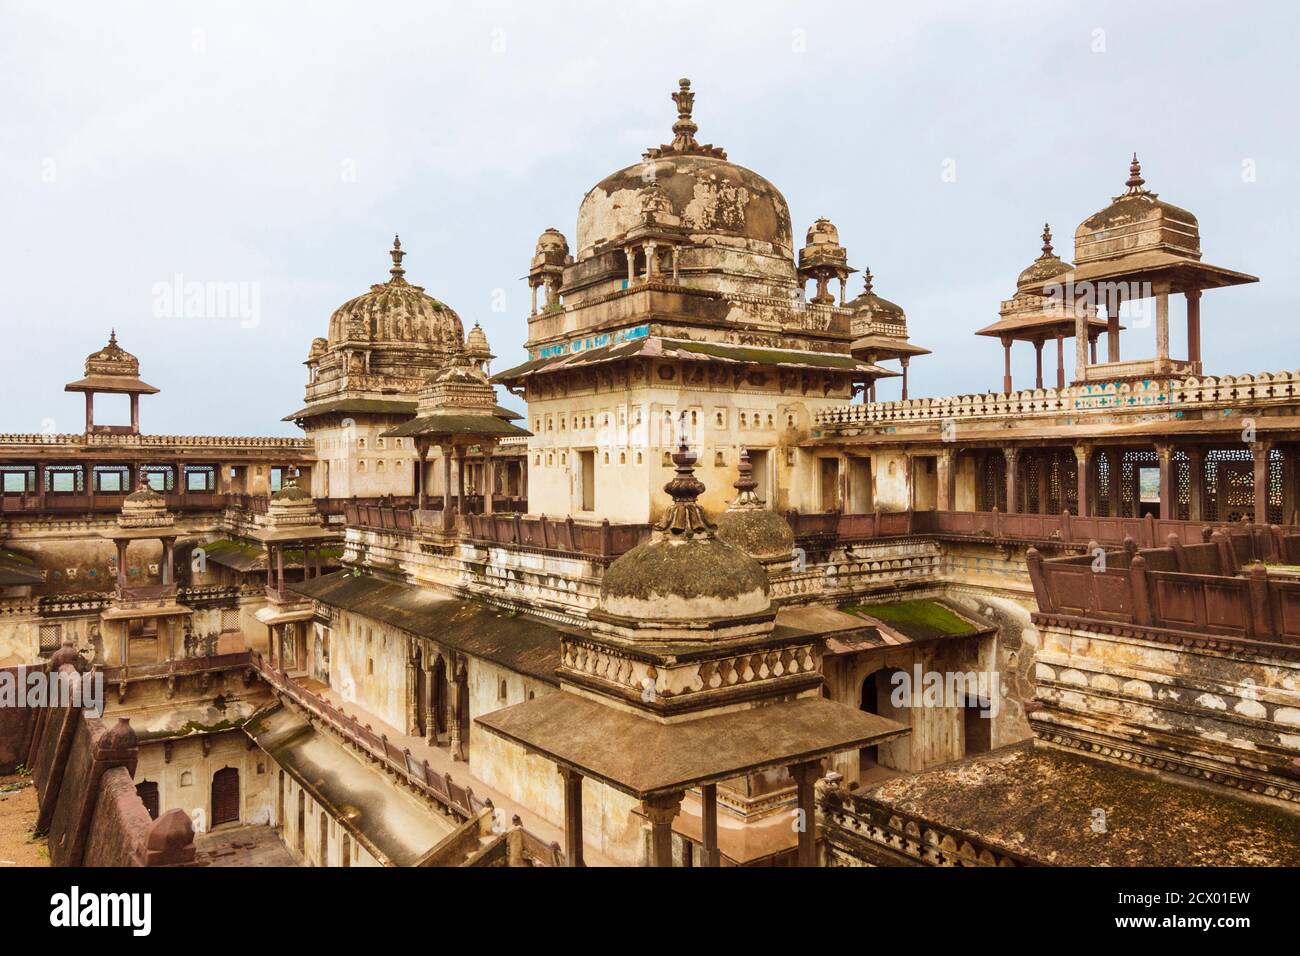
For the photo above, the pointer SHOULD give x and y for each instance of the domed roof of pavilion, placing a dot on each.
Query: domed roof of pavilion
(685, 574)
(111, 369)
(868, 303)
(476, 344)
(396, 312)
(1048, 265)
(750, 526)
(1137, 221)
(716, 201)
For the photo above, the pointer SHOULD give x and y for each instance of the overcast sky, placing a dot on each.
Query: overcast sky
(282, 145)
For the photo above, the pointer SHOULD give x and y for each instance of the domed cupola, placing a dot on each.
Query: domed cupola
(1136, 221)
(396, 312)
(685, 584)
(752, 527)
(1048, 265)
(731, 219)
(381, 345)
(477, 348)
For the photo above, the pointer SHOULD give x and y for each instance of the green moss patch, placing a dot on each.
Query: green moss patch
(915, 618)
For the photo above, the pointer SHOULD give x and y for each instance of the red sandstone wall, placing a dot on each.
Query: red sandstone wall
(15, 729)
(119, 828)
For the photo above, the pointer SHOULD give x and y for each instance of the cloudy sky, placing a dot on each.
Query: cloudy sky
(282, 145)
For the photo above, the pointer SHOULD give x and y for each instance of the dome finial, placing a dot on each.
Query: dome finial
(684, 129)
(397, 272)
(867, 282)
(685, 517)
(1135, 181)
(1047, 242)
(112, 336)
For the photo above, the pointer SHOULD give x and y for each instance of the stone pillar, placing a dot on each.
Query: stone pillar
(121, 544)
(460, 481)
(1195, 484)
(168, 548)
(1081, 459)
(1259, 452)
(1112, 327)
(675, 257)
(532, 288)
(135, 412)
(649, 261)
(709, 824)
(412, 694)
(1165, 455)
(902, 361)
(1006, 364)
(631, 265)
(1012, 454)
(454, 705)
(572, 816)
(805, 779)
(1092, 347)
(1162, 324)
(945, 464)
(422, 453)
(660, 810)
(1194, 327)
(1081, 340)
(1038, 363)
(489, 480)
(279, 569)
(90, 412)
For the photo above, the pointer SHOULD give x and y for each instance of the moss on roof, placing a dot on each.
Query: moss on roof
(917, 619)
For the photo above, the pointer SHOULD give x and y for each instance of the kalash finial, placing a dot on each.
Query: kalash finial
(112, 337)
(397, 272)
(1047, 242)
(1135, 181)
(685, 127)
(685, 518)
(745, 484)
(867, 282)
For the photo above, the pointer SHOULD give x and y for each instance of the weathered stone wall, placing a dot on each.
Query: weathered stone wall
(119, 827)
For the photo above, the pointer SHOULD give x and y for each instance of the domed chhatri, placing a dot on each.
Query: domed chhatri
(396, 312)
(714, 201)
(1137, 221)
(684, 575)
(752, 527)
(1046, 266)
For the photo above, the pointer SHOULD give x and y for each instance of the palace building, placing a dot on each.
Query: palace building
(708, 602)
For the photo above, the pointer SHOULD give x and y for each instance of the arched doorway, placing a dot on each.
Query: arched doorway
(323, 847)
(225, 796)
(147, 790)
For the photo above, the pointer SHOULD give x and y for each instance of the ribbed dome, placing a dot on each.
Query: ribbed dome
(396, 312)
(868, 303)
(1046, 266)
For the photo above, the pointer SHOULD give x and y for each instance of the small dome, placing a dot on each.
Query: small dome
(823, 232)
(684, 573)
(1046, 266)
(751, 527)
(712, 198)
(869, 304)
(1137, 221)
(396, 312)
(291, 493)
(145, 497)
(552, 240)
(476, 344)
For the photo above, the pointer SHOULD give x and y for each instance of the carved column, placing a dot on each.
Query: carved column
(805, 778)
(430, 697)
(168, 547)
(1112, 327)
(902, 360)
(457, 715)
(1006, 364)
(489, 480)
(1195, 484)
(1038, 363)
(572, 781)
(423, 452)
(946, 466)
(1165, 454)
(1081, 343)
(649, 261)
(1081, 467)
(1012, 455)
(1060, 361)
(412, 692)
(660, 811)
(1259, 452)
(1194, 327)
(709, 824)
(1162, 324)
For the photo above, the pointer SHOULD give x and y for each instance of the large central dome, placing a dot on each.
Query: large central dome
(714, 199)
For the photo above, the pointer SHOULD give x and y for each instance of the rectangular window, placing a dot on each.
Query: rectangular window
(588, 480)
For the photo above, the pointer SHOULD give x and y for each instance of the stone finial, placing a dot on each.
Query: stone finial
(1047, 242)
(685, 128)
(397, 272)
(867, 282)
(745, 484)
(1135, 181)
(685, 518)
